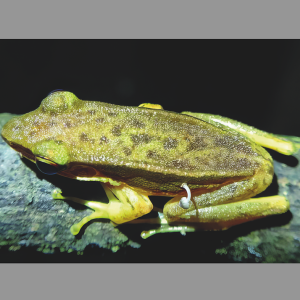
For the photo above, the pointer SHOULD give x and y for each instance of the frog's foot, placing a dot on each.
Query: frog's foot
(167, 229)
(124, 205)
(100, 210)
(164, 226)
(294, 139)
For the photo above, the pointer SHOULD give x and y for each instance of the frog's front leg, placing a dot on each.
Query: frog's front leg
(124, 205)
(260, 137)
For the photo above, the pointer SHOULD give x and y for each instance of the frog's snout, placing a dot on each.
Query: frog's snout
(7, 130)
(13, 129)
(12, 133)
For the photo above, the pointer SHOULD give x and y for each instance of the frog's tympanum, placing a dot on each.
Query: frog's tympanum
(212, 166)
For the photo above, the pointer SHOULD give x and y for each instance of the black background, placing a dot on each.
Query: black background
(254, 81)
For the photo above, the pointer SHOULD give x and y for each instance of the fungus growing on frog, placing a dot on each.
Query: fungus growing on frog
(185, 201)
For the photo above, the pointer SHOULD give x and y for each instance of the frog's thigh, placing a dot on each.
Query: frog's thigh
(260, 137)
(230, 205)
(236, 191)
(224, 216)
(226, 207)
(221, 209)
(124, 205)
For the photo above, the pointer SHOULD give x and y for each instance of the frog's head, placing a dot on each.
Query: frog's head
(36, 136)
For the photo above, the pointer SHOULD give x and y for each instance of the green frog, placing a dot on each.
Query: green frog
(212, 166)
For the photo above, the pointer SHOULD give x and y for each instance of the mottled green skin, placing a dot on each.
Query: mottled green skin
(153, 150)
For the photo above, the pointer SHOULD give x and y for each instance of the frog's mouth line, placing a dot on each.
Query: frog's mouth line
(20, 149)
(85, 171)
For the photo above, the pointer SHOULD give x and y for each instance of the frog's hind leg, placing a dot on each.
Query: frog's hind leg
(260, 137)
(124, 205)
(223, 208)
(222, 217)
(213, 211)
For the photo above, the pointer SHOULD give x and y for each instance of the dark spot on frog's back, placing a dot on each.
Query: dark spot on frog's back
(170, 143)
(223, 142)
(103, 139)
(152, 154)
(53, 113)
(140, 138)
(127, 151)
(32, 133)
(79, 115)
(84, 138)
(230, 143)
(116, 131)
(136, 123)
(51, 123)
(197, 144)
(180, 164)
(244, 148)
(245, 163)
(99, 120)
(91, 111)
(67, 124)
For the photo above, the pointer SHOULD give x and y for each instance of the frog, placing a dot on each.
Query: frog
(211, 166)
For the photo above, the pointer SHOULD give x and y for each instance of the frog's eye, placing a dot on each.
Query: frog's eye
(47, 166)
(58, 90)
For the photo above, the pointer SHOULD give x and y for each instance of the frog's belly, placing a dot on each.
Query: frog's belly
(170, 184)
(161, 183)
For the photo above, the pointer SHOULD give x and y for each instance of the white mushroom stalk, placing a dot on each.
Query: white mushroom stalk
(185, 201)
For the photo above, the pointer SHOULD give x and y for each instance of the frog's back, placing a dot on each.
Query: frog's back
(158, 150)
(155, 150)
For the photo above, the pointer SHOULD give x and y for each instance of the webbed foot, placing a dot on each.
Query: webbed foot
(124, 205)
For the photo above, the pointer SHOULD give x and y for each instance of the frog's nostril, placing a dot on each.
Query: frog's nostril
(185, 201)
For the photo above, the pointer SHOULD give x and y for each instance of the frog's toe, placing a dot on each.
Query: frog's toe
(57, 194)
(75, 229)
(167, 229)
